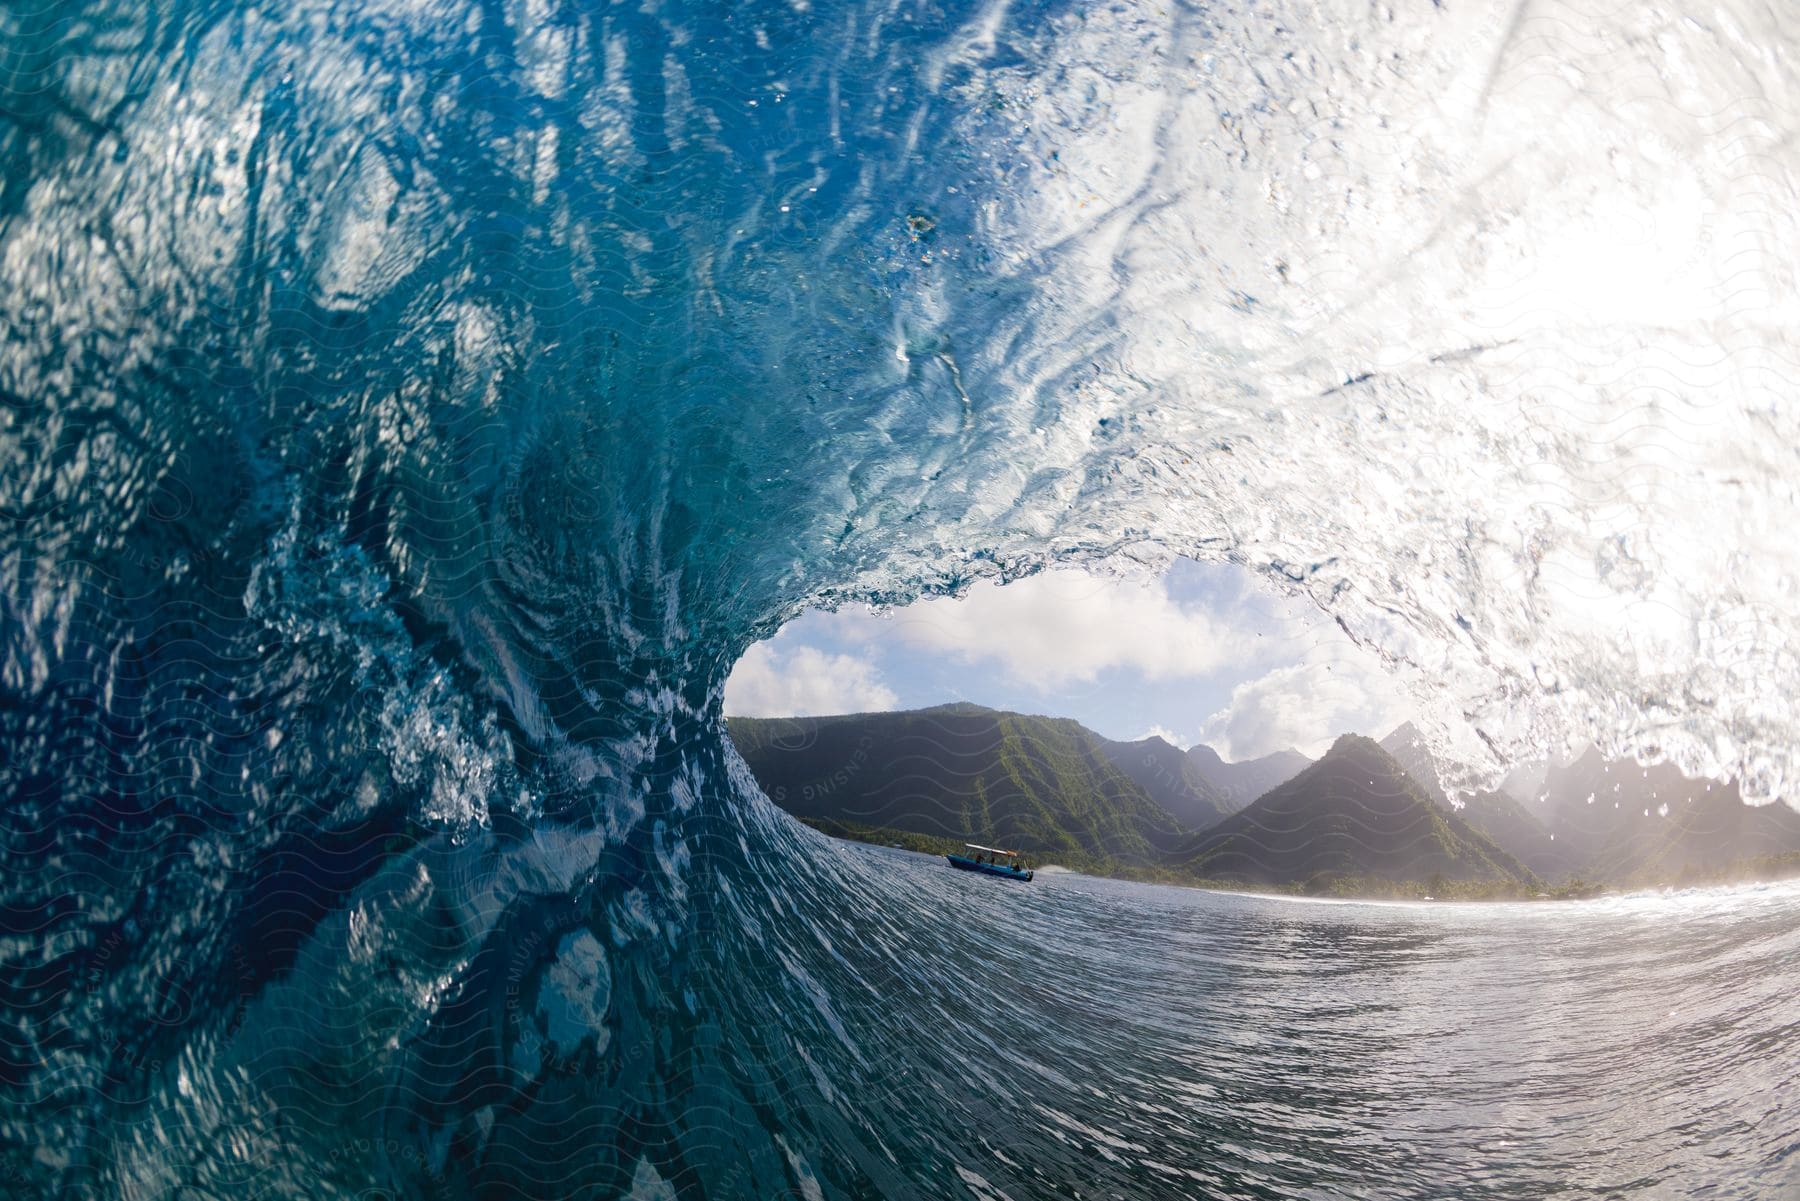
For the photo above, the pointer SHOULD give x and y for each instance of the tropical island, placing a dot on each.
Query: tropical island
(1366, 819)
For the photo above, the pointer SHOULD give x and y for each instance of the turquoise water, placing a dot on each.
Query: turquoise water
(411, 409)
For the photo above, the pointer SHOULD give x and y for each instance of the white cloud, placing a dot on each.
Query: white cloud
(1305, 706)
(1167, 735)
(803, 682)
(1168, 650)
(1067, 627)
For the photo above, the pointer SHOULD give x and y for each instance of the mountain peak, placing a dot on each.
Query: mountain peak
(1355, 814)
(1240, 783)
(955, 707)
(1403, 734)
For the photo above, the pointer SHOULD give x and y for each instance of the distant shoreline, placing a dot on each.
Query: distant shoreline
(1767, 870)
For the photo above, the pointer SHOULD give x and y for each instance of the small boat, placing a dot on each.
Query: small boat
(993, 861)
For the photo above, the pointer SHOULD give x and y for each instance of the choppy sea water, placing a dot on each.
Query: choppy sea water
(1127, 1040)
(411, 409)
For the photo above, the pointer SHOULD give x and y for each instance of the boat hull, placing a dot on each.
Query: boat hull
(964, 863)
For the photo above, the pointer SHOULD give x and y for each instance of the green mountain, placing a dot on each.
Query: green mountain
(1602, 819)
(1630, 823)
(1360, 820)
(1045, 785)
(1354, 816)
(1407, 745)
(1498, 817)
(1169, 776)
(1508, 824)
(1238, 784)
(1706, 833)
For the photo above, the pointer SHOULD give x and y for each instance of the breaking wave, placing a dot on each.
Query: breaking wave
(410, 410)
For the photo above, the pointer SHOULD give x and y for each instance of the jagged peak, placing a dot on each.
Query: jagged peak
(1349, 743)
(1404, 733)
(1212, 752)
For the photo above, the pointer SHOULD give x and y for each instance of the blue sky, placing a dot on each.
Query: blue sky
(1201, 653)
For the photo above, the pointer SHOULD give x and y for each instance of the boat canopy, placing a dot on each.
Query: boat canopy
(991, 850)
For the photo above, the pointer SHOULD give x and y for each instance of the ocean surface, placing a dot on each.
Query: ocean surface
(1133, 1040)
(411, 409)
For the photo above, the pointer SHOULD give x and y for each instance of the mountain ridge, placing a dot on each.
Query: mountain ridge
(1046, 785)
(1057, 790)
(1242, 782)
(1169, 777)
(1355, 814)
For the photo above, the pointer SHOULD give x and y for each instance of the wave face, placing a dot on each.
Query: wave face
(409, 410)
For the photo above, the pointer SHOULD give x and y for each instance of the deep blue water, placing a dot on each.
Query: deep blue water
(410, 410)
